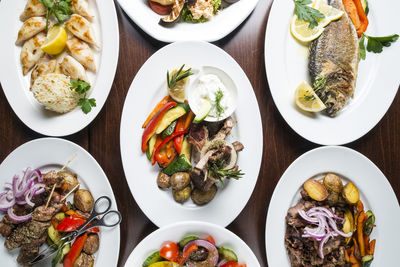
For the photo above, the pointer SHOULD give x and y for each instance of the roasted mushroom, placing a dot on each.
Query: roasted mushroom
(200, 197)
(182, 195)
(180, 180)
(83, 200)
(163, 180)
(91, 244)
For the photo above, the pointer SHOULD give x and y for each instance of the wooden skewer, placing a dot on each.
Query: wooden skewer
(51, 194)
(69, 193)
(68, 162)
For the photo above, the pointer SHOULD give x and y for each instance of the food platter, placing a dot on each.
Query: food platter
(214, 29)
(178, 230)
(141, 176)
(16, 86)
(375, 192)
(286, 67)
(51, 153)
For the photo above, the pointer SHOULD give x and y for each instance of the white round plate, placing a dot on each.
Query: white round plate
(52, 153)
(375, 192)
(377, 83)
(216, 28)
(175, 232)
(147, 89)
(16, 86)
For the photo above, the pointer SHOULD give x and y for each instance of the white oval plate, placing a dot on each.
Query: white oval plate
(175, 232)
(216, 28)
(377, 83)
(147, 89)
(16, 86)
(375, 190)
(53, 153)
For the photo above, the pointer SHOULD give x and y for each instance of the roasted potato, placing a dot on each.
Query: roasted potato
(69, 179)
(180, 180)
(350, 193)
(182, 195)
(83, 200)
(315, 190)
(203, 197)
(332, 182)
(91, 244)
(163, 180)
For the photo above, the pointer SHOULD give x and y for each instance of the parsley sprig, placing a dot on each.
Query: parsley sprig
(376, 44)
(177, 76)
(60, 9)
(82, 87)
(306, 13)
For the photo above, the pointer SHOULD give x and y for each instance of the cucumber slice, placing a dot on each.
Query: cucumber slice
(205, 108)
(367, 260)
(54, 235)
(186, 149)
(227, 254)
(179, 164)
(187, 239)
(60, 216)
(154, 257)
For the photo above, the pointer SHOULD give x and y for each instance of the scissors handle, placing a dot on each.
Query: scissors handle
(105, 221)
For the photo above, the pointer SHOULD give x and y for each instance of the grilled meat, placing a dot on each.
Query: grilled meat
(237, 146)
(26, 233)
(43, 214)
(198, 135)
(30, 251)
(229, 123)
(333, 62)
(51, 178)
(200, 179)
(84, 260)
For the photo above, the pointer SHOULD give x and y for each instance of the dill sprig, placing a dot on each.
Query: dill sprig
(218, 97)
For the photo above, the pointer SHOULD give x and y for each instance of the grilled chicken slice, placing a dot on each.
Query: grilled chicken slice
(81, 52)
(81, 28)
(81, 7)
(44, 66)
(31, 52)
(70, 67)
(31, 27)
(33, 8)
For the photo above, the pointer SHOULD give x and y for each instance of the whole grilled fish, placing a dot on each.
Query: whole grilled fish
(333, 64)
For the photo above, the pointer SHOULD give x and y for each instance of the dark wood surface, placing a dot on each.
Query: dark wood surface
(281, 144)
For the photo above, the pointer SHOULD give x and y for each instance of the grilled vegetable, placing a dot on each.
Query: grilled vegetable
(180, 180)
(182, 195)
(180, 164)
(175, 12)
(367, 260)
(369, 223)
(187, 239)
(227, 254)
(154, 257)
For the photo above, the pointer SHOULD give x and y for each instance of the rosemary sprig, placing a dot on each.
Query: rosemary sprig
(218, 172)
(178, 76)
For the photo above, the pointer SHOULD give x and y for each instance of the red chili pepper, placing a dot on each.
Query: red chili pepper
(75, 250)
(187, 253)
(152, 126)
(166, 140)
(71, 223)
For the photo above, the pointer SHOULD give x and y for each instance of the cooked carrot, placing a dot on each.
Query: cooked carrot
(189, 119)
(156, 110)
(366, 244)
(351, 10)
(353, 260)
(360, 206)
(360, 236)
(346, 255)
(372, 247)
(362, 16)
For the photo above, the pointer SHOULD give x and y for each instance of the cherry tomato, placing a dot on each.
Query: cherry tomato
(233, 264)
(210, 239)
(170, 251)
(160, 9)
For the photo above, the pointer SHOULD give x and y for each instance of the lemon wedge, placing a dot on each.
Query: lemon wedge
(55, 41)
(329, 12)
(306, 99)
(178, 93)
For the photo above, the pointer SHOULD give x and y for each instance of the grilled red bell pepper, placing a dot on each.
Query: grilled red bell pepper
(75, 250)
(233, 264)
(71, 223)
(187, 253)
(182, 124)
(152, 126)
(166, 140)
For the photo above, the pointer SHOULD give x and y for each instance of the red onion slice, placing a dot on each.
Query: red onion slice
(222, 262)
(16, 218)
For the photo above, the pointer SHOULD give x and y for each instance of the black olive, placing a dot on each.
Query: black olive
(200, 254)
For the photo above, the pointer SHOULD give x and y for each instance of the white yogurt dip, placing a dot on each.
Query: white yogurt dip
(206, 89)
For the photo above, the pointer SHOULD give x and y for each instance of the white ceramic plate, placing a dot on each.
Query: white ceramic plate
(375, 192)
(175, 232)
(52, 153)
(147, 89)
(377, 83)
(216, 28)
(16, 86)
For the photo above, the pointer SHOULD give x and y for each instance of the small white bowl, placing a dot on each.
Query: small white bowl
(225, 79)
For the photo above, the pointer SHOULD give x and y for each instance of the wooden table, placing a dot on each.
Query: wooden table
(281, 144)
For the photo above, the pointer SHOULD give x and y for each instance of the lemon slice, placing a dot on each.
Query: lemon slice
(55, 42)
(307, 100)
(329, 12)
(302, 32)
(178, 92)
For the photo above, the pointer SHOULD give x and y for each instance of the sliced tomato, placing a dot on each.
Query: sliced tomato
(233, 264)
(210, 239)
(160, 9)
(170, 251)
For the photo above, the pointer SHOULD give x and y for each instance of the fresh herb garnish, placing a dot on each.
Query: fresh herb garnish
(217, 171)
(319, 83)
(60, 9)
(307, 13)
(216, 6)
(376, 44)
(218, 97)
(82, 87)
(309, 97)
(178, 76)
